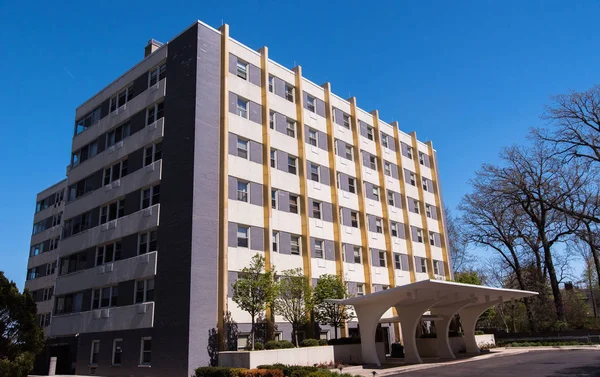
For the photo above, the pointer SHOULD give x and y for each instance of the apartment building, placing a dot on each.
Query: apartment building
(202, 155)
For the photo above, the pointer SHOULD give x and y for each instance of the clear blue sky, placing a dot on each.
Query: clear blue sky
(472, 76)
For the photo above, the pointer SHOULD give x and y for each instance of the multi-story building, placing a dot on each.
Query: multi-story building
(202, 155)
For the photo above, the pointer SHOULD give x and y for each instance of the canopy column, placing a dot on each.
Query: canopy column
(409, 316)
(442, 326)
(468, 318)
(368, 318)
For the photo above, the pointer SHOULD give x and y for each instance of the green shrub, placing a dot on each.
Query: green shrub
(278, 344)
(479, 332)
(351, 340)
(258, 346)
(322, 342)
(291, 370)
(309, 343)
(220, 372)
(263, 373)
(320, 373)
(548, 343)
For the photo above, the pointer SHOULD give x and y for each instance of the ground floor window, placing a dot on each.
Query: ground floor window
(146, 351)
(95, 351)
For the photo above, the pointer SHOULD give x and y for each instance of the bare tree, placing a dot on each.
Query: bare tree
(462, 260)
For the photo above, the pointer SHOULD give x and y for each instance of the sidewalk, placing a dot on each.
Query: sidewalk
(392, 368)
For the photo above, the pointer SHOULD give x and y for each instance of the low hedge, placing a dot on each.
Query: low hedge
(237, 372)
(278, 344)
(309, 343)
(303, 371)
(479, 332)
(548, 343)
(322, 342)
(350, 340)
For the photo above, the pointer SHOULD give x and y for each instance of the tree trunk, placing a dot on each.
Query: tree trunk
(295, 336)
(590, 241)
(590, 284)
(252, 333)
(560, 315)
(526, 301)
(335, 328)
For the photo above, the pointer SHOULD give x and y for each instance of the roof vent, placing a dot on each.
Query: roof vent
(152, 46)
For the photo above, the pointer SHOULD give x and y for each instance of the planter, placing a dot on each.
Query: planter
(307, 356)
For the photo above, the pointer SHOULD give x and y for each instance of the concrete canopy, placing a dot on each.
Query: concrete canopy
(442, 298)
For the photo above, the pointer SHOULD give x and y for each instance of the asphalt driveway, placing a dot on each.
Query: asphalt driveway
(554, 363)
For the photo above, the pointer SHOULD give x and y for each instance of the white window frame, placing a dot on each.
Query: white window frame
(346, 120)
(148, 236)
(151, 192)
(92, 349)
(397, 261)
(243, 194)
(387, 168)
(394, 228)
(296, 204)
(312, 137)
(436, 268)
(352, 185)
(425, 184)
(101, 250)
(241, 69)
(242, 107)
(156, 71)
(378, 225)
(421, 158)
(100, 297)
(109, 172)
(288, 92)
(311, 103)
(413, 179)
(428, 212)
(382, 258)
(357, 219)
(271, 84)
(319, 246)
(294, 165)
(155, 115)
(115, 98)
(370, 133)
(273, 158)
(416, 206)
(247, 236)
(153, 148)
(114, 349)
(376, 192)
(384, 140)
(275, 241)
(373, 162)
(142, 351)
(319, 208)
(105, 210)
(145, 289)
(409, 152)
(419, 235)
(424, 265)
(349, 152)
(432, 238)
(245, 144)
(360, 289)
(274, 199)
(318, 172)
(298, 243)
(290, 128)
(391, 198)
(359, 255)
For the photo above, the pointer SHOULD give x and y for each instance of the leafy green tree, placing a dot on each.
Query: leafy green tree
(293, 300)
(21, 338)
(254, 290)
(467, 277)
(331, 287)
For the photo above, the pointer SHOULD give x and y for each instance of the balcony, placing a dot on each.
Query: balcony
(46, 234)
(130, 144)
(143, 177)
(47, 212)
(141, 266)
(139, 221)
(142, 101)
(108, 319)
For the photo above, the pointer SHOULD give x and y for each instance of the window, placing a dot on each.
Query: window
(77, 224)
(271, 80)
(242, 342)
(413, 179)
(310, 103)
(117, 351)
(44, 319)
(112, 211)
(431, 238)
(378, 227)
(242, 69)
(421, 158)
(382, 261)
(117, 134)
(290, 128)
(144, 290)
(146, 351)
(272, 120)
(150, 196)
(157, 73)
(397, 262)
(319, 249)
(51, 268)
(384, 140)
(295, 245)
(324, 335)
(357, 254)
(394, 228)
(53, 244)
(108, 253)
(314, 172)
(121, 98)
(409, 153)
(354, 219)
(352, 185)
(423, 265)
(154, 113)
(152, 153)
(372, 162)
(387, 168)
(87, 121)
(115, 172)
(360, 289)
(36, 250)
(346, 120)
(148, 242)
(274, 199)
(312, 137)
(242, 148)
(242, 191)
(84, 153)
(275, 241)
(428, 211)
(105, 297)
(293, 204)
(316, 210)
(47, 293)
(420, 235)
(425, 184)
(242, 236)
(71, 303)
(95, 352)
(242, 107)
(273, 158)
(390, 198)
(289, 92)
(291, 165)
(348, 152)
(72, 263)
(369, 132)
(415, 205)
(376, 193)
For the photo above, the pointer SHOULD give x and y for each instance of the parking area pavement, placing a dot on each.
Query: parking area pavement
(532, 363)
